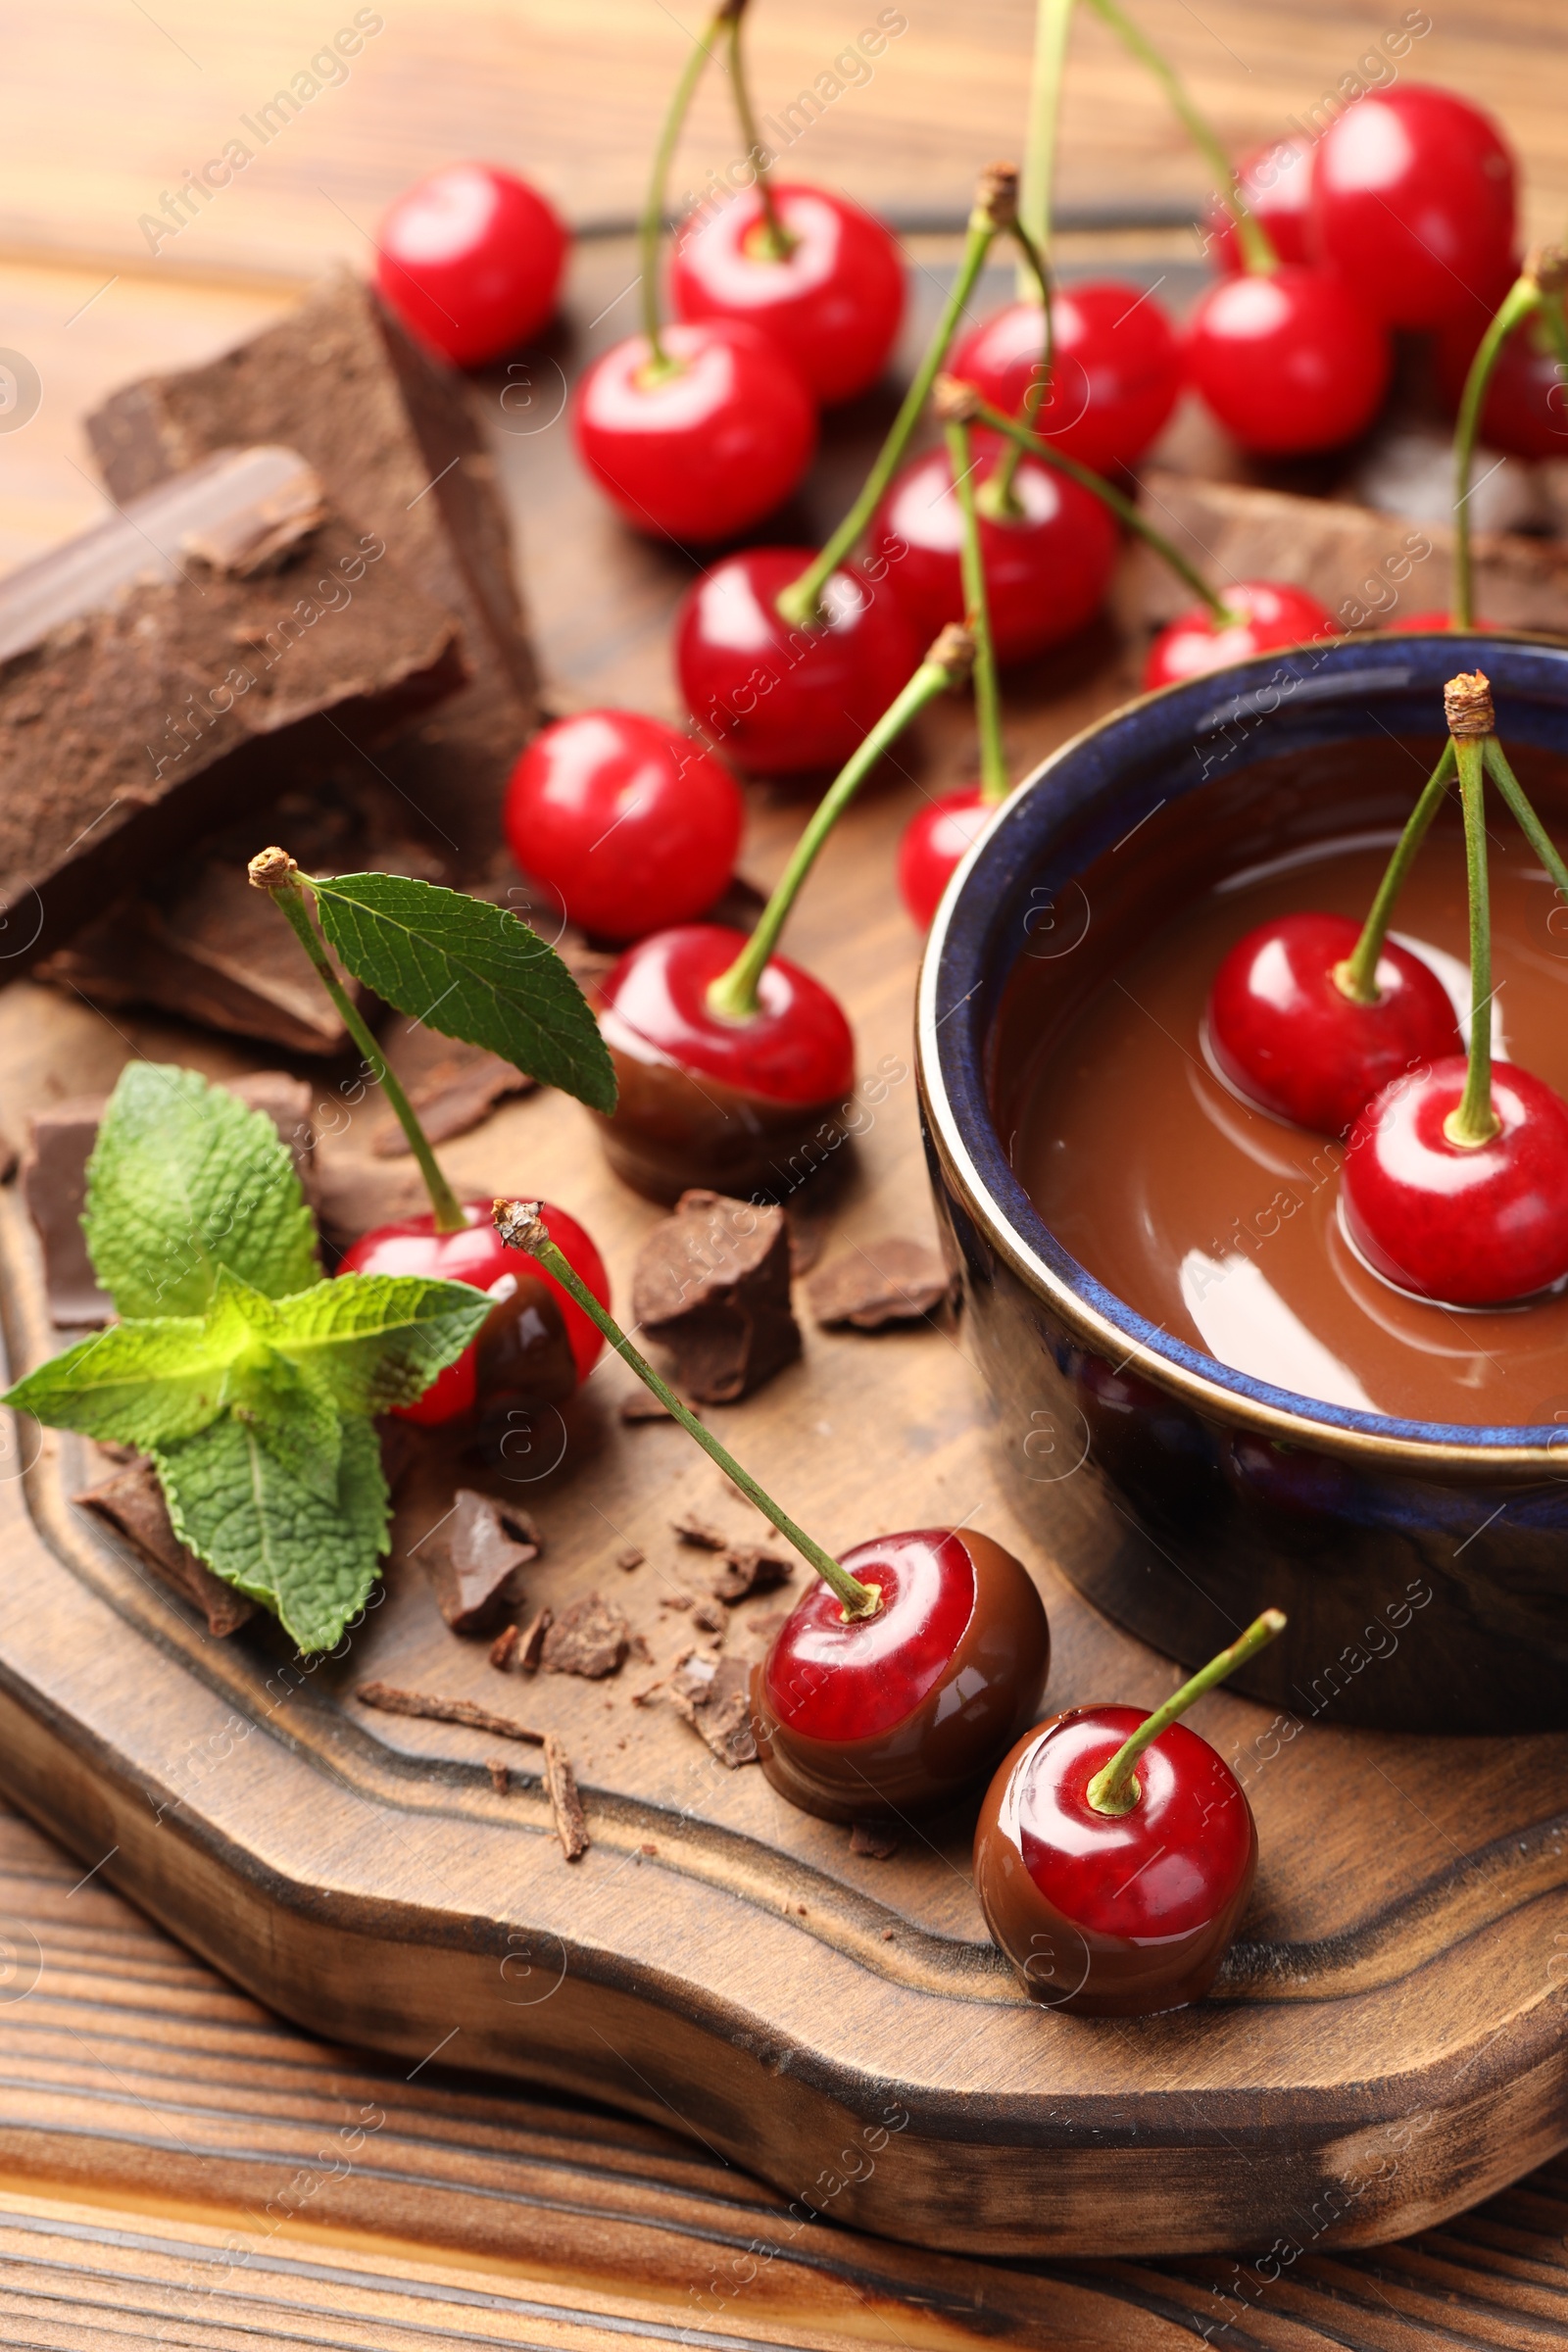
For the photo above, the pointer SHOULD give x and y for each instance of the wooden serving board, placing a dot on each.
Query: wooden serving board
(1387, 2043)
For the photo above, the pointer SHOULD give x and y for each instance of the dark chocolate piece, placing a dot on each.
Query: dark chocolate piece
(394, 438)
(710, 1616)
(132, 1503)
(390, 1701)
(889, 1281)
(504, 1648)
(143, 701)
(631, 1558)
(875, 1842)
(532, 1640)
(714, 1697)
(690, 1529)
(453, 1087)
(712, 1283)
(500, 1776)
(476, 1560)
(588, 1638)
(572, 1825)
(752, 1568)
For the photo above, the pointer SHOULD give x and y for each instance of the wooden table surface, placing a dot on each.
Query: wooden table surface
(162, 2169)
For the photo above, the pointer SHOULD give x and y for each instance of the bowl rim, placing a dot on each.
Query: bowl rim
(1217, 1391)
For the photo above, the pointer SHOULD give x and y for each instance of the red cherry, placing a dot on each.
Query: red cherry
(1114, 1915)
(1277, 184)
(903, 1709)
(1473, 1227)
(1413, 203)
(1421, 621)
(1289, 361)
(635, 825)
(479, 1257)
(470, 260)
(1046, 575)
(786, 700)
(706, 449)
(1118, 369)
(1526, 408)
(834, 303)
(1273, 616)
(935, 839)
(1289, 1038)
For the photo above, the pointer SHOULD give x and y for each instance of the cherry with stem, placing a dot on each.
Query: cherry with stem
(903, 1673)
(1535, 292)
(1114, 1854)
(776, 243)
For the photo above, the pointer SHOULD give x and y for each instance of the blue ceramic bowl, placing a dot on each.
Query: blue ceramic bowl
(1424, 1566)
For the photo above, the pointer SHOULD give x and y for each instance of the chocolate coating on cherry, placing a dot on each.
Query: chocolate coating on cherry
(897, 1713)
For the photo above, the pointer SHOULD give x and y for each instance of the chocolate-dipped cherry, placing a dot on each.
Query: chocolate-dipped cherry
(1454, 1185)
(470, 260)
(633, 824)
(733, 1066)
(1413, 203)
(535, 1345)
(1310, 1015)
(789, 698)
(902, 1675)
(1112, 376)
(1115, 1852)
(1258, 616)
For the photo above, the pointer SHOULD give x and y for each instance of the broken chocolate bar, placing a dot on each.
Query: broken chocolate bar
(393, 436)
(146, 696)
(712, 1283)
(132, 1503)
(588, 1638)
(476, 1560)
(883, 1282)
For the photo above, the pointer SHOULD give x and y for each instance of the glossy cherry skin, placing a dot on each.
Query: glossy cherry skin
(1289, 362)
(1107, 1915)
(1471, 1228)
(835, 303)
(790, 700)
(1277, 184)
(902, 1711)
(479, 1257)
(935, 839)
(631, 822)
(1413, 203)
(711, 1102)
(1046, 575)
(707, 450)
(1286, 1036)
(470, 260)
(1118, 369)
(1274, 616)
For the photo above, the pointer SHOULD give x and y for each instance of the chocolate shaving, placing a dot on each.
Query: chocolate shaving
(132, 1503)
(388, 1699)
(714, 1697)
(533, 1641)
(571, 1826)
(638, 1649)
(500, 1776)
(502, 1646)
(700, 1532)
(631, 1558)
(475, 1558)
(752, 1568)
(876, 1843)
(588, 1638)
(712, 1283)
(710, 1615)
(889, 1281)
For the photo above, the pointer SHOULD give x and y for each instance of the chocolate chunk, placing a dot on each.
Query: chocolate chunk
(876, 1843)
(702, 1532)
(712, 1284)
(752, 1568)
(532, 1640)
(631, 1558)
(453, 1087)
(475, 1558)
(714, 1697)
(710, 1615)
(394, 438)
(889, 1281)
(572, 1825)
(143, 702)
(504, 1648)
(132, 1503)
(638, 1649)
(588, 1638)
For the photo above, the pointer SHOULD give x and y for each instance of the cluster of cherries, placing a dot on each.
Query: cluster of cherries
(1454, 1180)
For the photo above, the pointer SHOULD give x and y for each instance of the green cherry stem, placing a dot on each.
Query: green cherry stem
(1032, 231)
(1114, 1788)
(521, 1227)
(993, 780)
(733, 996)
(1522, 300)
(981, 412)
(1256, 246)
(995, 208)
(276, 872)
(1468, 701)
(1357, 976)
(651, 228)
(775, 244)
(1534, 832)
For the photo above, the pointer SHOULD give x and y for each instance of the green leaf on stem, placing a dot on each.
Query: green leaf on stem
(472, 971)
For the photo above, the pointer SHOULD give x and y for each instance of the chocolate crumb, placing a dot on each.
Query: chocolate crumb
(700, 1532)
(676, 1598)
(876, 1843)
(571, 1826)
(887, 1935)
(752, 1568)
(647, 1849)
(713, 1285)
(889, 1281)
(638, 1649)
(532, 1640)
(390, 1701)
(714, 1697)
(588, 1638)
(503, 1648)
(631, 1558)
(500, 1777)
(710, 1616)
(474, 1557)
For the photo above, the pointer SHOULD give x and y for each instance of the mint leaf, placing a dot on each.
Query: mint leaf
(312, 1561)
(470, 970)
(185, 1178)
(377, 1340)
(293, 1415)
(137, 1384)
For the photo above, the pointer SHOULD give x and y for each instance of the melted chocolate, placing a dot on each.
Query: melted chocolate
(1213, 1219)
(673, 1131)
